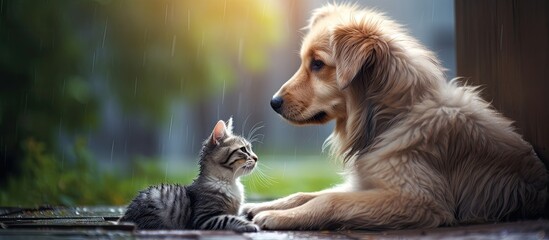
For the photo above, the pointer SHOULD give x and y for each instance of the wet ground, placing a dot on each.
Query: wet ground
(99, 223)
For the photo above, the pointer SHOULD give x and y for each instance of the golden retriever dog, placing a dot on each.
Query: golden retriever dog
(419, 151)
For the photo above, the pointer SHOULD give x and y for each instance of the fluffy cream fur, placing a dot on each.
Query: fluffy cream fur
(420, 151)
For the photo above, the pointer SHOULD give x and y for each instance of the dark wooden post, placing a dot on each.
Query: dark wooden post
(503, 45)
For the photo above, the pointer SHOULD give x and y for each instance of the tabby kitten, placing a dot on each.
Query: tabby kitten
(212, 201)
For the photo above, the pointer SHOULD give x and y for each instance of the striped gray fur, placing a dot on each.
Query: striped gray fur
(212, 201)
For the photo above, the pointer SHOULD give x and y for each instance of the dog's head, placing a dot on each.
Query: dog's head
(340, 42)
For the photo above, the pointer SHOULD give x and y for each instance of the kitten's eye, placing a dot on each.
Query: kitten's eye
(244, 149)
(316, 65)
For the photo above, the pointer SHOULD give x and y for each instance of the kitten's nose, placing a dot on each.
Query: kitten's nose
(255, 158)
(276, 103)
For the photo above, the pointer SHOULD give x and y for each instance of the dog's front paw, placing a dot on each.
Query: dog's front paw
(272, 220)
(246, 209)
(249, 210)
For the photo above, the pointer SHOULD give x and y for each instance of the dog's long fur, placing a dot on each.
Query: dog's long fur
(420, 151)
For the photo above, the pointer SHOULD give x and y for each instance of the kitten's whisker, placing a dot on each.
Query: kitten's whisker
(255, 138)
(264, 179)
(236, 172)
(254, 180)
(255, 128)
(267, 177)
(266, 166)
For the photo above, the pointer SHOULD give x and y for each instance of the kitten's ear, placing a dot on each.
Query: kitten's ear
(218, 132)
(230, 126)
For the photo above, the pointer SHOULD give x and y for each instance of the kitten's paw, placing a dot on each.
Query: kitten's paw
(273, 220)
(248, 228)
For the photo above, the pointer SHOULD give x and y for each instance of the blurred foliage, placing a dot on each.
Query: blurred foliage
(43, 88)
(276, 176)
(60, 59)
(49, 181)
(160, 49)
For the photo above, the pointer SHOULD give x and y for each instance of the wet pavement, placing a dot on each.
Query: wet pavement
(100, 223)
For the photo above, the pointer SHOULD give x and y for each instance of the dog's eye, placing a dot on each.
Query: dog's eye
(316, 65)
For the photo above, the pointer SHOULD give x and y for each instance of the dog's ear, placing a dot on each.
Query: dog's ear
(356, 45)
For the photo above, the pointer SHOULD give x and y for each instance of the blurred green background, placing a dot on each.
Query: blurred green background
(101, 98)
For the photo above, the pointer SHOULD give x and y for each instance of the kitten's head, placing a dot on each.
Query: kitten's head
(226, 155)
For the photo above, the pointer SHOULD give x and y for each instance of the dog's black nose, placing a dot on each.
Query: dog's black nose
(276, 103)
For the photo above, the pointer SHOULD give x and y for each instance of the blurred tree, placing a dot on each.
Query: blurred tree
(158, 50)
(43, 88)
(58, 58)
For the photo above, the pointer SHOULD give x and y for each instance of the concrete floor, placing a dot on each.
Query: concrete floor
(99, 223)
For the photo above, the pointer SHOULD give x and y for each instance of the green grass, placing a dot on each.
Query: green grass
(274, 176)
(278, 176)
(47, 181)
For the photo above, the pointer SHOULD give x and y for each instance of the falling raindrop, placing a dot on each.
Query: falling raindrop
(105, 33)
(223, 93)
(189, 20)
(166, 15)
(93, 61)
(173, 44)
(244, 124)
(224, 10)
(170, 131)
